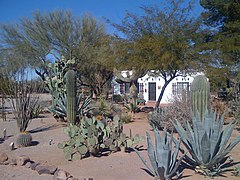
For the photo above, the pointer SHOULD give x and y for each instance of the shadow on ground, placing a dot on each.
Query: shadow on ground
(47, 127)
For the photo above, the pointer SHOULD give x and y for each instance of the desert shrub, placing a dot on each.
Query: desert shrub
(126, 118)
(38, 109)
(218, 105)
(102, 107)
(117, 98)
(179, 108)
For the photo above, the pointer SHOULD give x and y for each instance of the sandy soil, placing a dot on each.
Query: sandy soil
(117, 166)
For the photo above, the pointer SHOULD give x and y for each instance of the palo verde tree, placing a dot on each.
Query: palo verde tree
(162, 40)
(46, 37)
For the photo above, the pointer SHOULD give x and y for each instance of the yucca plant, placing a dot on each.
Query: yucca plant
(207, 143)
(163, 158)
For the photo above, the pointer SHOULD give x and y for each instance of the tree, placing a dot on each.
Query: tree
(46, 37)
(222, 17)
(162, 40)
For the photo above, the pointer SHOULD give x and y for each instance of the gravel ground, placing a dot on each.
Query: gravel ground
(117, 166)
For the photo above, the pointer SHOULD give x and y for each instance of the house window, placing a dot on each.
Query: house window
(180, 87)
(122, 87)
(141, 90)
(127, 87)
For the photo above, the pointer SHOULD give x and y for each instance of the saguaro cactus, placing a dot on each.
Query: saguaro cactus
(200, 94)
(71, 96)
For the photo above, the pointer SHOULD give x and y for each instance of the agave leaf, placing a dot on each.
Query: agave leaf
(161, 172)
(227, 132)
(151, 153)
(181, 132)
(232, 144)
(174, 155)
(216, 146)
(205, 144)
(191, 134)
(176, 166)
(215, 138)
(158, 143)
(145, 163)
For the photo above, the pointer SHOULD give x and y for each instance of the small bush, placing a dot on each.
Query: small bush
(117, 98)
(126, 118)
(163, 117)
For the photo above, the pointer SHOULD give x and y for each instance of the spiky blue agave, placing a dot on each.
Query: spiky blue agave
(207, 142)
(163, 157)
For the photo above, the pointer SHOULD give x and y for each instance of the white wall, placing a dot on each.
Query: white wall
(159, 84)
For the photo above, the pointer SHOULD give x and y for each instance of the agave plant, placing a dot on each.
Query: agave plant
(207, 142)
(163, 158)
(83, 106)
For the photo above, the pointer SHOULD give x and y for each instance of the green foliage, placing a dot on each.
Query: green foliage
(159, 40)
(24, 139)
(164, 157)
(57, 33)
(200, 94)
(117, 98)
(38, 109)
(102, 107)
(92, 136)
(222, 39)
(71, 96)
(233, 99)
(207, 143)
(126, 118)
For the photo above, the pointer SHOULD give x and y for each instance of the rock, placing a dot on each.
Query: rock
(34, 165)
(45, 169)
(11, 146)
(6, 163)
(22, 160)
(28, 164)
(72, 178)
(3, 158)
(5, 134)
(61, 175)
(13, 161)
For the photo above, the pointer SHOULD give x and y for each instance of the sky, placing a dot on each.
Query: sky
(12, 10)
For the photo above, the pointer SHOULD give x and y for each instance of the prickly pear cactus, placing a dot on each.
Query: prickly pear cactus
(200, 94)
(24, 139)
(92, 136)
(71, 96)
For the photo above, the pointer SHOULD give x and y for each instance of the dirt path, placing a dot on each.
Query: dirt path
(117, 166)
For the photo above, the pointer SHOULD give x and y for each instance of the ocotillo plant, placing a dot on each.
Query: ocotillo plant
(200, 94)
(71, 96)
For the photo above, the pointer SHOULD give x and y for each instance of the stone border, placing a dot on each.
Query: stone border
(23, 160)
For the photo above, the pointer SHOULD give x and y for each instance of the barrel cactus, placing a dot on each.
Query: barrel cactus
(24, 139)
(71, 96)
(200, 94)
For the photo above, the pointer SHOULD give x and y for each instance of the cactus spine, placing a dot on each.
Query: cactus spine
(200, 93)
(71, 96)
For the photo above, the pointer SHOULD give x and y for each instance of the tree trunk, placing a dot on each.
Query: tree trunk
(162, 92)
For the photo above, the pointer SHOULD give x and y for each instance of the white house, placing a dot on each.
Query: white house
(150, 87)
